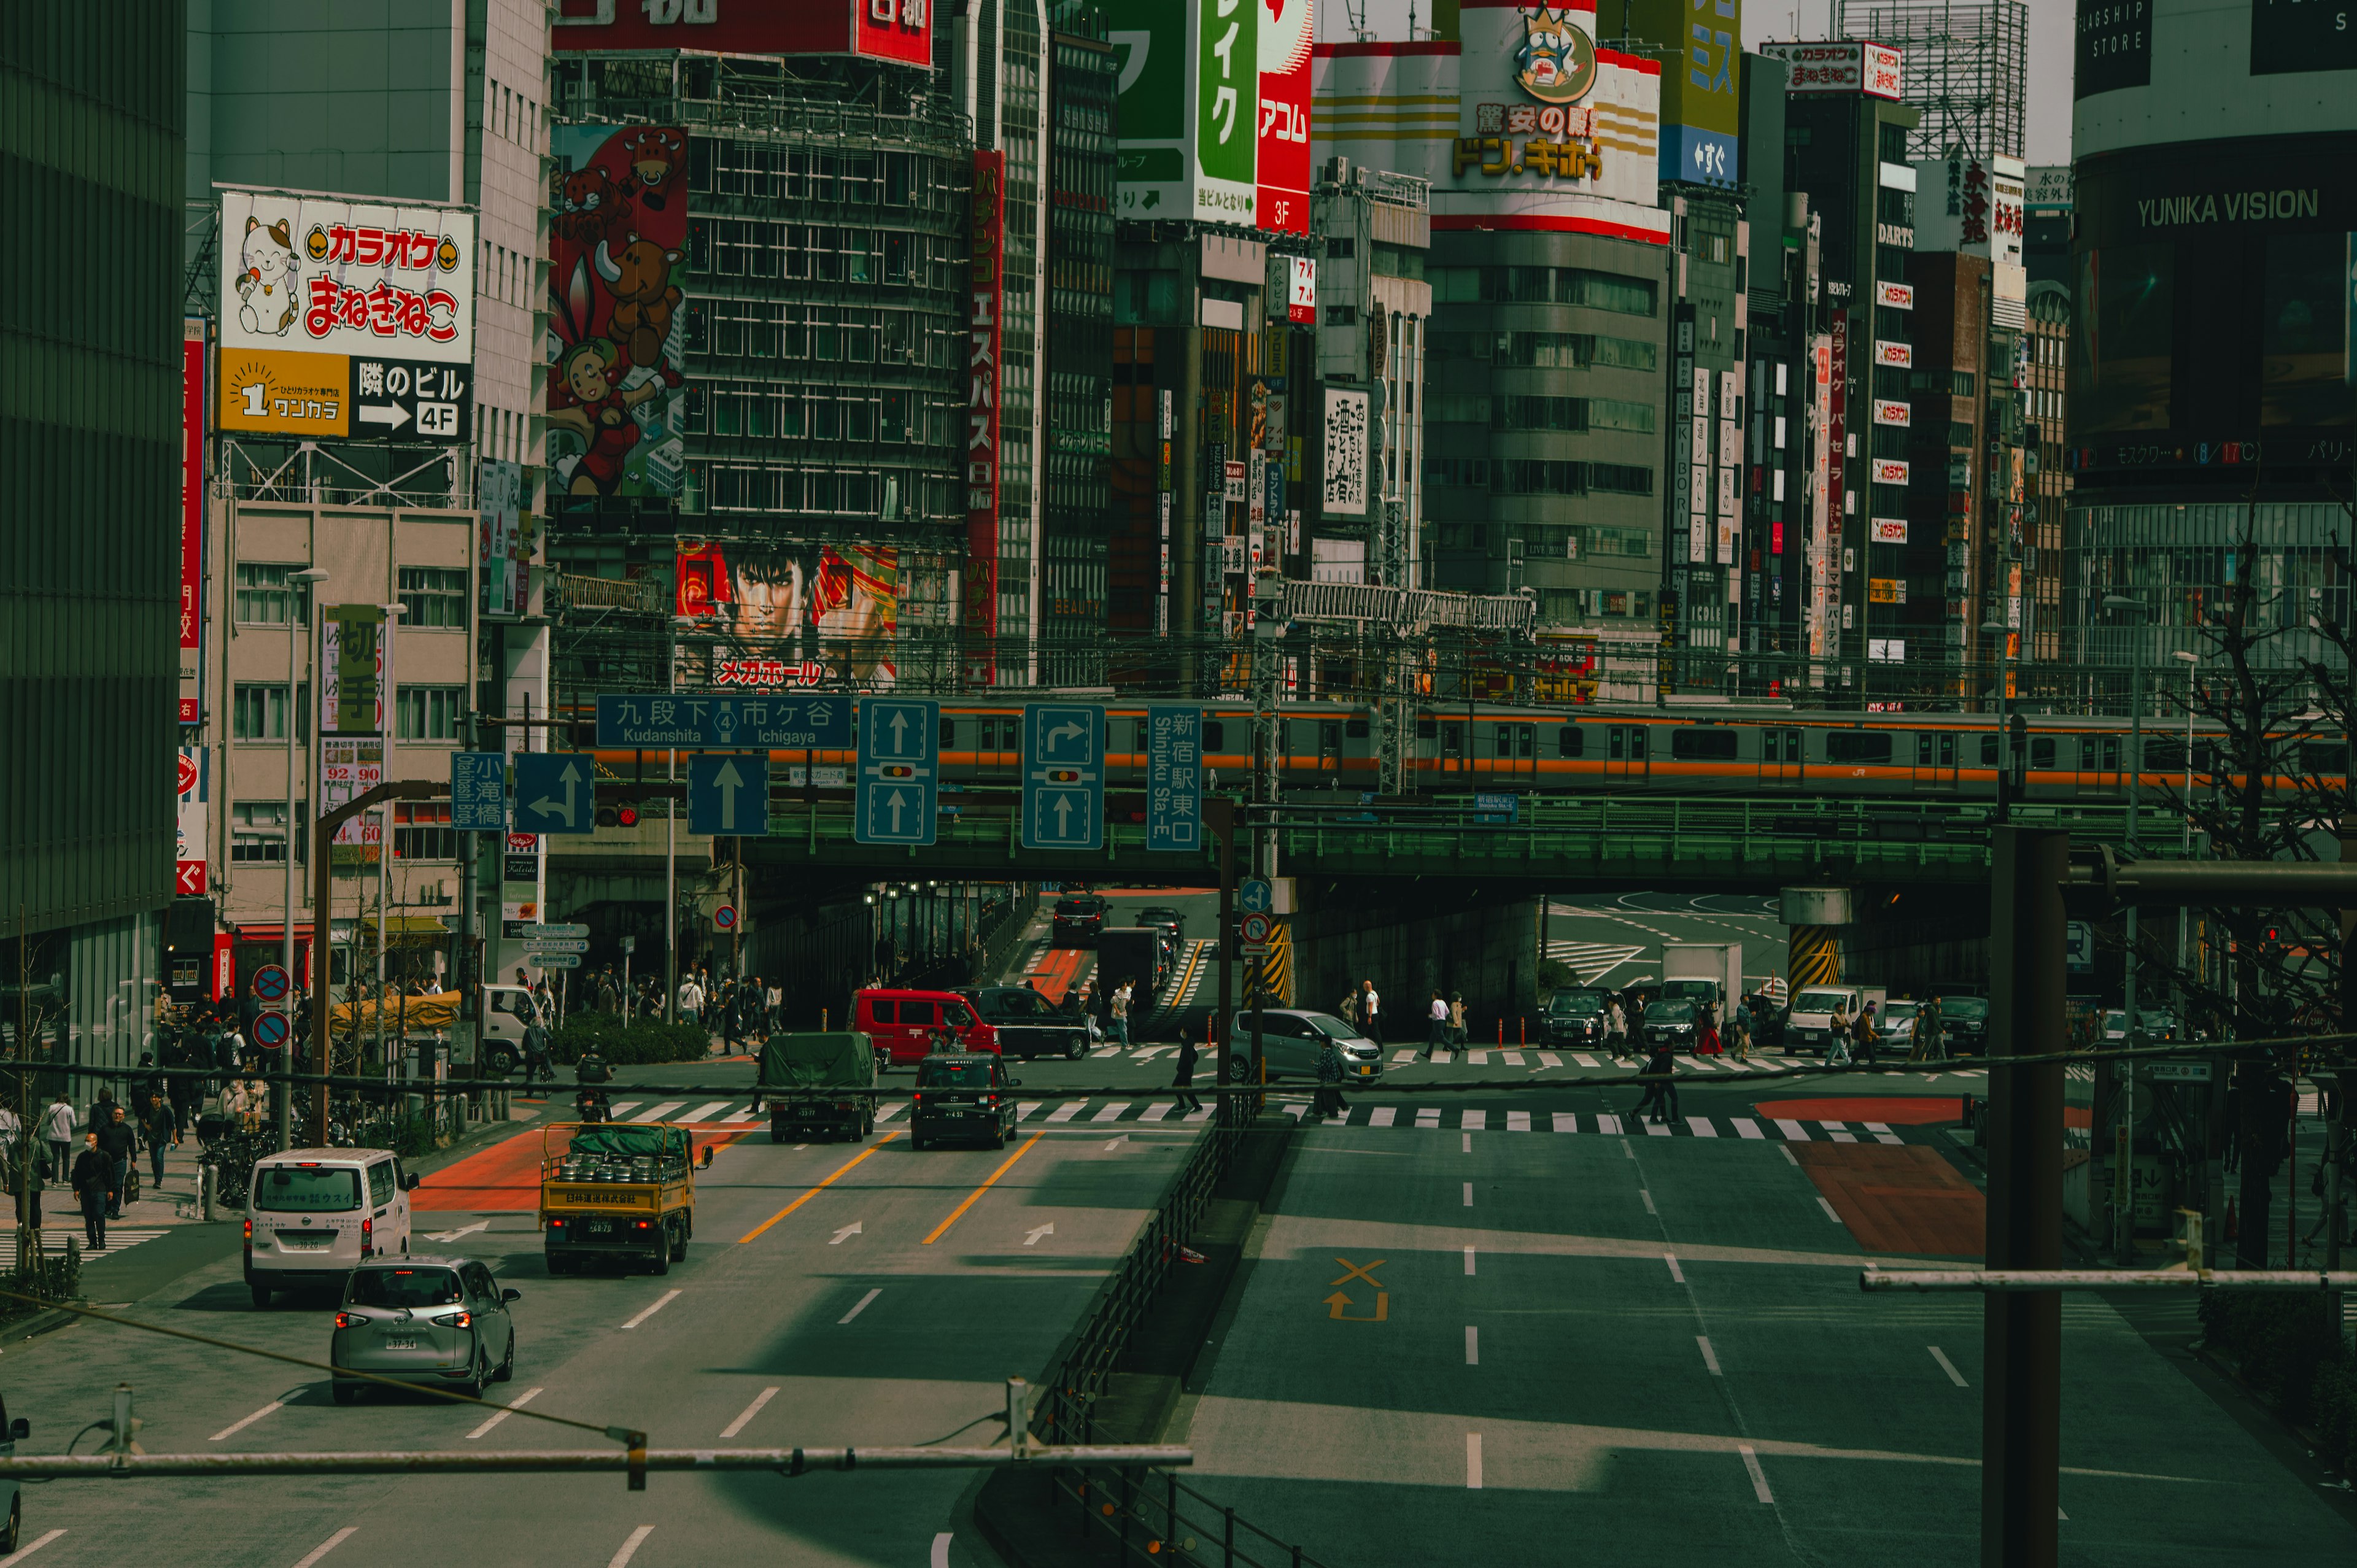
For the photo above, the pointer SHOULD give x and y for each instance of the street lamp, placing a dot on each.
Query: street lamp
(309, 576)
(2125, 1237)
(671, 838)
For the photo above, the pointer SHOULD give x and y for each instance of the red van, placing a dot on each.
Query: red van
(903, 1023)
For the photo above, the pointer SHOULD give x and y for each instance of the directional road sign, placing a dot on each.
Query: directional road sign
(556, 792)
(478, 791)
(900, 772)
(725, 918)
(556, 944)
(1063, 776)
(1174, 777)
(801, 722)
(1255, 927)
(573, 931)
(552, 959)
(729, 796)
(1255, 898)
(411, 400)
(270, 984)
(271, 1029)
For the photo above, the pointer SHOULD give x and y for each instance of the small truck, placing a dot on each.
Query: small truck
(616, 1189)
(814, 1084)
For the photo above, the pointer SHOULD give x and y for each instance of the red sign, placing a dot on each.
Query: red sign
(1282, 201)
(192, 514)
(1900, 355)
(894, 29)
(881, 29)
(523, 843)
(1837, 415)
(987, 281)
(1898, 295)
(190, 882)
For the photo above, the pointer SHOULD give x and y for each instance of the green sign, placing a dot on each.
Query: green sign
(1227, 109)
(1188, 77)
(1151, 47)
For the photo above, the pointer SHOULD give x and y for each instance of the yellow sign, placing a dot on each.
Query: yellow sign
(1886, 590)
(284, 392)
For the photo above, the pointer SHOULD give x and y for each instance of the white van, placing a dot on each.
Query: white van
(507, 1011)
(313, 1214)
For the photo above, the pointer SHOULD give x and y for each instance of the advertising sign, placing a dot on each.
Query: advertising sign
(1889, 411)
(1155, 45)
(1344, 488)
(1841, 67)
(194, 779)
(2114, 46)
(617, 336)
(1282, 197)
(2048, 188)
(987, 284)
(499, 489)
(1889, 471)
(1293, 289)
(1898, 355)
(1702, 82)
(1889, 529)
(878, 30)
(192, 519)
(795, 614)
(1897, 296)
(348, 769)
(351, 669)
(1227, 84)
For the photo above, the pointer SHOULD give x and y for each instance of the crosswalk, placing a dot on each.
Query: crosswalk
(55, 1236)
(1534, 1059)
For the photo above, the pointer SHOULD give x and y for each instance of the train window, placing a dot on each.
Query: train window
(1330, 737)
(1452, 739)
(1947, 751)
(1780, 744)
(1705, 743)
(1428, 729)
(1355, 729)
(1924, 750)
(1567, 741)
(1858, 745)
(2042, 751)
(1988, 751)
(1215, 735)
(2324, 756)
(1516, 740)
(2107, 754)
(949, 733)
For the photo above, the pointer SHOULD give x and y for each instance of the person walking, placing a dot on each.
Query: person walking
(163, 1131)
(1456, 1017)
(93, 1175)
(1740, 1026)
(1616, 1028)
(1864, 1034)
(1928, 1045)
(535, 1051)
(1661, 1088)
(1329, 1101)
(773, 1009)
(1370, 1012)
(1837, 1038)
(1435, 1026)
(1121, 997)
(691, 1001)
(1706, 1040)
(58, 1127)
(1182, 1076)
(118, 1140)
(1348, 1008)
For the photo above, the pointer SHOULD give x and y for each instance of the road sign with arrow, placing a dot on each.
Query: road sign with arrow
(1063, 776)
(413, 400)
(729, 796)
(899, 772)
(556, 792)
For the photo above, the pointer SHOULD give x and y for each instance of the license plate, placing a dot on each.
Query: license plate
(392, 1344)
(305, 1241)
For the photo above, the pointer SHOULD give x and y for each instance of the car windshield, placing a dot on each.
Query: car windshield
(1672, 1011)
(307, 1189)
(1576, 1002)
(1016, 1004)
(953, 1074)
(1900, 1012)
(1975, 1008)
(401, 1287)
(1821, 1001)
(1333, 1028)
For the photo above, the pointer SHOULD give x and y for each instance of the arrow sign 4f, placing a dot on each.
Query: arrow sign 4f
(729, 796)
(556, 792)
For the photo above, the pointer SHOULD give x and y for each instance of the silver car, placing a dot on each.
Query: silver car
(437, 1320)
(1291, 1038)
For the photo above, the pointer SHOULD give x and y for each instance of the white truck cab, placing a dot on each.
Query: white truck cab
(1808, 1026)
(312, 1215)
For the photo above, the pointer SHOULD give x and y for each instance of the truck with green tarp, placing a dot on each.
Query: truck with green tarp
(816, 1085)
(616, 1189)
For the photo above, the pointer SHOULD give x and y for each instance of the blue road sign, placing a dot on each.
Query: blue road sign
(271, 1029)
(556, 792)
(478, 791)
(270, 984)
(800, 721)
(1064, 776)
(899, 770)
(1497, 809)
(1174, 776)
(1255, 898)
(729, 796)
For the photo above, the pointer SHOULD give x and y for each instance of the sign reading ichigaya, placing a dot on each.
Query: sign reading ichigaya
(988, 289)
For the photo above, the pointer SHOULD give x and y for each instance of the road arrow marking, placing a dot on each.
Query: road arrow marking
(900, 731)
(1063, 816)
(1031, 1237)
(1338, 1301)
(850, 1229)
(1073, 729)
(391, 418)
(462, 1230)
(728, 781)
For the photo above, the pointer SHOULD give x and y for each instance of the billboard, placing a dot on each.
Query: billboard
(192, 519)
(1283, 199)
(793, 615)
(878, 30)
(194, 781)
(1701, 84)
(351, 669)
(617, 336)
(1841, 68)
(504, 541)
(1972, 204)
(345, 320)
(1210, 90)
(1344, 486)
(986, 279)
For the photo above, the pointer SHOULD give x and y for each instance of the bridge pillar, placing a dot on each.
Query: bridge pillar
(1815, 916)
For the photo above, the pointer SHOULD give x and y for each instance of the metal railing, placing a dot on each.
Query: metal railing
(1155, 1518)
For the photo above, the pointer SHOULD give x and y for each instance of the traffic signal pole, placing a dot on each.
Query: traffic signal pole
(323, 891)
(1219, 816)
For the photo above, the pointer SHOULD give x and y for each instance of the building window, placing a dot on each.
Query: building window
(422, 831)
(258, 711)
(257, 834)
(433, 597)
(263, 592)
(428, 712)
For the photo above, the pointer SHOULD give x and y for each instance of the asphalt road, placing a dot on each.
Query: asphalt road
(1548, 1346)
(1617, 940)
(888, 1306)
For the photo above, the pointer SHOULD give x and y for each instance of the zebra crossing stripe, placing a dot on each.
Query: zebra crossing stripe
(1518, 1121)
(1792, 1131)
(1564, 1120)
(1512, 1059)
(1381, 1115)
(1745, 1127)
(705, 1112)
(891, 1110)
(1427, 1118)
(1607, 1124)
(1479, 1058)
(1407, 1056)
(1585, 1061)
(1882, 1133)
(1657, 1129)
(1067, 1111)
(1549, 1058)
(1028, 1109)
(1700, 1127)
(1833, 1131)
(1111, 1111)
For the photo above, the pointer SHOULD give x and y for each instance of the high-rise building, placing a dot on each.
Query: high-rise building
(106, 529)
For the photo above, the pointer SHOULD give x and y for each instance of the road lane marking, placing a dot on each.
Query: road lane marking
(1648, 1196)
(1564, 1120)
(891, 1110)
(1709, 1356)
(1110, 1110)
(861, 1307)
(661, 1302)
(1067, 1111)
(1479, 1058)
(1882, 1132)
(1677, 1273)
(35, 1545)
(1585, 1060)
(1549, 1058)
(941, 1555)
(621, 1105)
(265, 1410)
(1468, 1144)
(630, 1548)
(315, 1554)
(992, 1180)
(1202, 1115)
(754, 1233)
(1030, 1107)
(1469, 1194)
(1518, 1121)
(1469, 1262)
(1758, 1477)
(1476, 1121)
(1295, 1109)
(497, 1416)
(1116, 1143)
(1790, 1158)
(1745, 1127)
(1829, 1210)
(462, 1230)
(1103, 1051)
(1149, 1053)
(1403, 1056)
(1472, 1346)
(1793, 1132)
(705, 1112)
(1947, 1366)
(1473, 1461)
(1031, 1237)
(853, 1229)
(743, 1113)
(1444, 1056)
(657, 1112)
(737, 1425)
(1383, 1115)
(1700, 1127)
(1833, 1131)
(1427, 1118)
(1657, 1129)
(1612, 1124)
(1511, 1058)
(1157, 1112)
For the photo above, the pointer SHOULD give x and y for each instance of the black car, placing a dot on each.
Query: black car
(1671, 1022)
(1573, 1017)
(1078, 921)
(1028, 1024)
(1169, 919)
(962, 1096)
(1963, 1024)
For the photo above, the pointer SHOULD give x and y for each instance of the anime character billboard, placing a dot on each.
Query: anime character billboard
(795, 614)
(618, 344)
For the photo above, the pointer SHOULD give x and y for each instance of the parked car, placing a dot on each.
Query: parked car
(1077, 920)
(1897, 1022)
(962, 1096)
(1291, 1039)
(12, 1433)
(441, 1321)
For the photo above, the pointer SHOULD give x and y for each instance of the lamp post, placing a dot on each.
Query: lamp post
(671, 840)
(2004, 634)
(2125, 1219)
(309, 577)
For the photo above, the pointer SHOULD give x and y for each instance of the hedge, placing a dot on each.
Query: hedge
(641, 1041)
(2292, 1355)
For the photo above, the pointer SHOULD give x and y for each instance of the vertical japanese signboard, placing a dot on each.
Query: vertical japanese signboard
(351, 714)
(1214, 111)
(1344, 490)
(1702, 81)
(1227, 86)
(1283, 147)
(194, 779)
(987, 280)
(1174, 777)
(192, 519)
(1151, 41)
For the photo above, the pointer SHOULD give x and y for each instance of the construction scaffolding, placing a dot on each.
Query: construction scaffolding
(1966, 68)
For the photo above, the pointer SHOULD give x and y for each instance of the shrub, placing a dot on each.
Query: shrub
(641, 1041)
(2290, 1352)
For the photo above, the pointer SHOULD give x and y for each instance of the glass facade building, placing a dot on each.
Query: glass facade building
(1078, 351)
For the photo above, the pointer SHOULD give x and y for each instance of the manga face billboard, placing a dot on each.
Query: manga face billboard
(792, 615)
(617, 397)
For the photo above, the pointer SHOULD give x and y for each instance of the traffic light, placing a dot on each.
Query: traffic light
(622, 803)
(624, 814)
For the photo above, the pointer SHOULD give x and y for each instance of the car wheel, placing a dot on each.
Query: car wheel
(500, 1062)
(679, 1246)
(507, 1367)
(659, 1261)
(261, 1298)
(559, 1266)
(473, 1386)
(1238, 1068)
(348, 1393)
(15, 1525)
(916, 1141)
(1076, 1047)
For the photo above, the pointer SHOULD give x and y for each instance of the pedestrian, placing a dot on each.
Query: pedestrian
(773, 1008)
(102, 1109)
(1348, 1010)
(1930, 1045)
(1706, 1041)
(163, 1129)
(1616, 1028)
(1436, 1030)
(1370, 1012)
(257, 1103)
(1661, 1088)
(1456, 1017)
(690, 1000)
(58, 1127)
(1121, 1000)
(1740, 1026)
(92, 1185)
(1182, 1078)
(119, 1141)
(1837, 1038)
(1329, 1100)
(535, 1051)
(1865, 1034)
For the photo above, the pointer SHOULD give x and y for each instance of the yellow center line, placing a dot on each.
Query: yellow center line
(754, 1233)
(1004, 1166)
